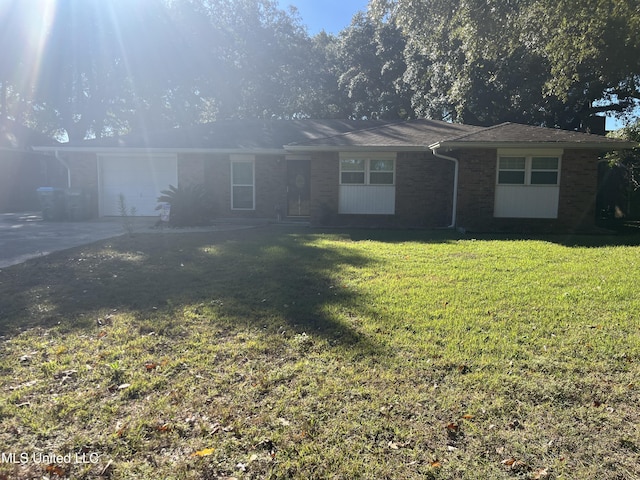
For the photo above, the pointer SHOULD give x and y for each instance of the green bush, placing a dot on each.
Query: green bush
(190, 205)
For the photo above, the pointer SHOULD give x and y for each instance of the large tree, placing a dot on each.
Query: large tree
(83, 63)
(250, 56)
(532, 61)
(100, 67)
(621, 189)
(370, 58)
(593, 48)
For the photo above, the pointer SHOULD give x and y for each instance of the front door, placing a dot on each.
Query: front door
(298, 189)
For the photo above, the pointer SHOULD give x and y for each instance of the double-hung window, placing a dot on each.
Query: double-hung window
(242, 182)
(533, 170)
(528, 184)
(367, 183)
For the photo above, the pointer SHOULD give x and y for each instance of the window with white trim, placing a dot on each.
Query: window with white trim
(528, 170)
(367, 171)
(367, 183)
(242, 182)
(528, 183)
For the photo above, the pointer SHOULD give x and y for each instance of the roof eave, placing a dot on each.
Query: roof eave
(142, 150)
(355, 148)
(603, 146)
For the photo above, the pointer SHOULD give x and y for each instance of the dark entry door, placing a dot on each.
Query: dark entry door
(298, 189)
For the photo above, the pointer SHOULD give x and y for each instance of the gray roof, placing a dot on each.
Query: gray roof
(235, 135)
(313, 135)
(515, 134)
(401, 134)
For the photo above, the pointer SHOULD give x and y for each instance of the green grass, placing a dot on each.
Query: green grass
(273, 353)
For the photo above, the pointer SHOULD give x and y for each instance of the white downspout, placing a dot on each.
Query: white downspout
(65, 165)
(455, 183)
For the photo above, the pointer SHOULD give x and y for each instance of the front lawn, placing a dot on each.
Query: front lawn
(273, 353)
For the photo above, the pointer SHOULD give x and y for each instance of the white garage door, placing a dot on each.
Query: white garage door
(140, 178)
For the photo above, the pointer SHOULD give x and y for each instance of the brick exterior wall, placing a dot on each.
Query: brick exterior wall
(424, 186)
(423, 190)
(579, 177)
(214, 172)
(84, 175)
(22, 173)
(476, 187)
(476, 194)
(325, 182)
(191, 169)
(271, 186)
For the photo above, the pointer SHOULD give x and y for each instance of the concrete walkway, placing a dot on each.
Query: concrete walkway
(25, 235)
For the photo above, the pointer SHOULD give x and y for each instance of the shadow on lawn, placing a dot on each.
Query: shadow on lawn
(260, 277)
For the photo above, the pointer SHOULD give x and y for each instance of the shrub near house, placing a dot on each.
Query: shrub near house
(189, 205)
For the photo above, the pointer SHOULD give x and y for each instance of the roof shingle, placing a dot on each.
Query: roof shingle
(309, 135)
(518, 134)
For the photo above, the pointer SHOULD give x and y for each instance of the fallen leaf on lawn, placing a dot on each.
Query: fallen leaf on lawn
(150, 366)
(515, 465)
(452, 427)
(164, 427)
(435, 464)
(540, 474)
(468, 416)
(520, 466)
(203, 453)
(102, 334)
(55, 470)
(123, 386)
(393, 445)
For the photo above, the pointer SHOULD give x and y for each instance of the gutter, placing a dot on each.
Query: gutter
(603, 146)
(151, 151)
(456, 163)
(65, 165)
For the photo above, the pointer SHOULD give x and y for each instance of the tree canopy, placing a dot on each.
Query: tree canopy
(549, 62)
(91, 68)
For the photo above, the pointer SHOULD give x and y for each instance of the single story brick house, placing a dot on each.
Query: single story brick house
(416, 173)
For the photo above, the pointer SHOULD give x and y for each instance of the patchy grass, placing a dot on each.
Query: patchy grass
(299, 354)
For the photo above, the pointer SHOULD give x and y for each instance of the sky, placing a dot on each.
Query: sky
(330, 15)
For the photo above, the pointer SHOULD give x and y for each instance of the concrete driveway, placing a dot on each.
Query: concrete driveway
(26, 235)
